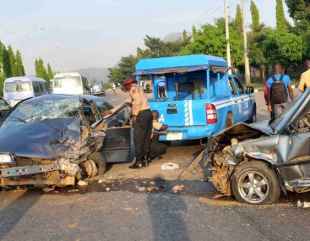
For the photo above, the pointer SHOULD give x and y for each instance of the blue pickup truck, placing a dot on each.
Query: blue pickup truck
(195, 96)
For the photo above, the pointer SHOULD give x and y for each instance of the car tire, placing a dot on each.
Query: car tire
(254, 182)
(229, 120)
(100, 161)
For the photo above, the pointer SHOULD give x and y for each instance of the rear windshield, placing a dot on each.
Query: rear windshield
(18, 87)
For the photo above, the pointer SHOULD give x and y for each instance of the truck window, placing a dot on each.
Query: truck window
(190, 85)
(232, 86)
(239, 85)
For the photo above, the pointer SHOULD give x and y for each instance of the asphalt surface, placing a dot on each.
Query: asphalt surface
(129, 211)
(123, 215)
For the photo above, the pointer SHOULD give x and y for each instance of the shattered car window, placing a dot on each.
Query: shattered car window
(40, 109)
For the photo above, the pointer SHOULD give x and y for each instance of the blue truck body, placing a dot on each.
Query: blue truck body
(200, 96)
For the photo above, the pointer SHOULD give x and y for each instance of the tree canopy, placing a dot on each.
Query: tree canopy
(282, 24)
(255, 17)
(284, 44)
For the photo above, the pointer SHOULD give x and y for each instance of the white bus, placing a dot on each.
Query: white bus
(16, 89)
(70, 84)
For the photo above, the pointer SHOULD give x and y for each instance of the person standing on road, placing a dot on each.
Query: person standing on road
(142, 122)
(279, 88)
(157, 148)
(305, 78)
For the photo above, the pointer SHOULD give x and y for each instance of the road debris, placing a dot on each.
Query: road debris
(302, 204)
(169, 166)
(141, 189)
(82, 183)
(108, 189)
(178, 188)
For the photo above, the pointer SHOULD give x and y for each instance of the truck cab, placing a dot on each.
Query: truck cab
(195, 95)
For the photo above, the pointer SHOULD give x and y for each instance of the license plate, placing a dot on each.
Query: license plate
(174, 136)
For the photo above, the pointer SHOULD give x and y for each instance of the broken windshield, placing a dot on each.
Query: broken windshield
(43, 108)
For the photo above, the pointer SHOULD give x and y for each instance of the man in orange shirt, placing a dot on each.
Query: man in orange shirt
(142, 122)
(305, 78)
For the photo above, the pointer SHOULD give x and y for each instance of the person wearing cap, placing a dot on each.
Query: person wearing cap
(305, 78)
(142, 122)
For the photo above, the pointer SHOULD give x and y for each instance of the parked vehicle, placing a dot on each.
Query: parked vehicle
(4, 109)
(195, 96)
(17, 89)
(70, 84)
(56, 140)
(255, 163)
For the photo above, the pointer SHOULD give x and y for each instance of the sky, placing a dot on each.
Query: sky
(75, 34)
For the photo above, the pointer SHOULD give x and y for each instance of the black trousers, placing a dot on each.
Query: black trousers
(157, 148)
(142, 134)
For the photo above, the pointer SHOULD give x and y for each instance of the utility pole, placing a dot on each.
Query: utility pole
(245, 43)
(227, 36)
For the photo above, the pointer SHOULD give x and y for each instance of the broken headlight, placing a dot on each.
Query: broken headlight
(6, 158)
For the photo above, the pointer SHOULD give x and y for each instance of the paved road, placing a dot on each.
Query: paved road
(125, 214)
(121, 216)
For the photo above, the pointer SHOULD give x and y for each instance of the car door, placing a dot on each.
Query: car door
(299, 145)
(244, 101)
(234, 100)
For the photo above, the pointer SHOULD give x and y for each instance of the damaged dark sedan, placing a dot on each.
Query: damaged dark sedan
(51, 140)
(256, 163)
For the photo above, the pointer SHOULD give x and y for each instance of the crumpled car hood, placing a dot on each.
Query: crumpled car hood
(48, 139)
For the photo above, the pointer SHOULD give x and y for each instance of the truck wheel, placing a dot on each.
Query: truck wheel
(100, 162)
(255, 183)
(229, 120)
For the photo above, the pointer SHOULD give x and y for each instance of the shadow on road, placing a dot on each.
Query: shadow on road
(167, 215)
(12, 214)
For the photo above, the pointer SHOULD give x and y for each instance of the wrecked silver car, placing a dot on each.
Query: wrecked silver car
(51, 140)
(255, 163)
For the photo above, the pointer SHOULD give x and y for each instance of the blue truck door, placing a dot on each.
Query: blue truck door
(244, 101)
(234, 99)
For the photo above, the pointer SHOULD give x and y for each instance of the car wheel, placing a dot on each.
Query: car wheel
(255, 182)
(229, 120)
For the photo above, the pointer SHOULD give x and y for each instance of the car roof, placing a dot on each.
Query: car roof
(24, 79)
(177, 63)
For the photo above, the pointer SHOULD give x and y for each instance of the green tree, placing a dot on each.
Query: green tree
(238, 19)
(20, 70)
(40, 69)
(50, 72)
(299, 10)
(7, 71)
(282, 24)
(282, 47)
(255, 17)
(154, 47)
(210, 39)
(12, 60)
(125, 69)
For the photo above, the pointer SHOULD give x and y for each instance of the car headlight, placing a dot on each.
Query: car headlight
(6, 158)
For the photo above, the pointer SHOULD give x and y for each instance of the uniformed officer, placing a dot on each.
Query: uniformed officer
(142, 122)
